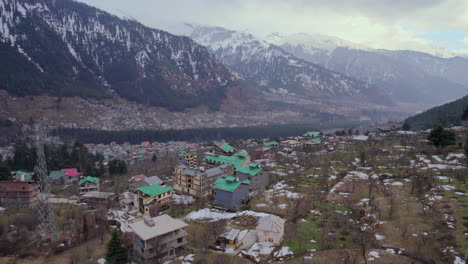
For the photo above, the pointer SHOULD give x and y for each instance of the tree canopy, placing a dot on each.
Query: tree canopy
(441, 137)
(116, 252)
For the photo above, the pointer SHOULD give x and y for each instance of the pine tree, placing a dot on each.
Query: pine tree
(116, 252)
(441, 137)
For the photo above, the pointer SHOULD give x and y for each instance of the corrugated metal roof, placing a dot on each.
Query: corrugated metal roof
(227, 148)
(154, 190)
(229, 183)
(89, 179)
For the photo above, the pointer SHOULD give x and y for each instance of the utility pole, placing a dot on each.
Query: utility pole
(47, 225)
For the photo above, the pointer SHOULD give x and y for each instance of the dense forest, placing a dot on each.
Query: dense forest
(194, 135)
(446, 115)
(57, 157)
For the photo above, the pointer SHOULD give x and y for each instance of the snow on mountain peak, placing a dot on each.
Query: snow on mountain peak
(312, 43)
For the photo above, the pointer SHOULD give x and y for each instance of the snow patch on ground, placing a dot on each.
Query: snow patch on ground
(206, 214)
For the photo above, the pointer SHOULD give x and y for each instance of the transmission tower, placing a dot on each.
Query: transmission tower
(46, 213)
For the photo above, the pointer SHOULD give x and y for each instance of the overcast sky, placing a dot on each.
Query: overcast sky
(425, 25)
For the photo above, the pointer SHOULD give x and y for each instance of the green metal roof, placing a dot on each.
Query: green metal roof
(221, 159)
(154, 190)
(312, 134)
(227, 148)
(89, 179)
(242, 153)
(316, 140)
(27, 176)
(251, 170)
(229, 184)
(270, 143)
(56, 175)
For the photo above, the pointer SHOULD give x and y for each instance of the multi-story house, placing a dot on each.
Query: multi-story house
(16, 194)
(198, 182)
(152, 195)
(231, 193)
(89, 184)
(189, 159)
(158, 239)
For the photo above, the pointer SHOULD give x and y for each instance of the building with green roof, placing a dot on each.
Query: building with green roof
(221, 159)
(89, 179)
(152, 195)
(57, 177)
(244, 169)
(253, 173)
(23, 176)
(230, 192)
(271, 144)
(227, 148)
(89, 184)
(312, 134)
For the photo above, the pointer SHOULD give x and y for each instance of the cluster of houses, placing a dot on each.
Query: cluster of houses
(221, 174)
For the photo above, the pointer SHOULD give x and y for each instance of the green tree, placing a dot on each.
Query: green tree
(441, 137)
(406, 127)
(116, 252)
(154, 158)
(465, 114)
(5, 172)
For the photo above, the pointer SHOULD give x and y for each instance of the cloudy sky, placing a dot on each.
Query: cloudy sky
(434, 26)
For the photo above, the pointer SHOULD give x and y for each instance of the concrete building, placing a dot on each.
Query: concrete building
(57, 177)
(256, 175)
(152, 195)
(231, 193)
(17, 194)
(270, 229)
(158, 239)
(72, 176)
(199, 182)
(89, 184)
(96, 199)
(189, 159)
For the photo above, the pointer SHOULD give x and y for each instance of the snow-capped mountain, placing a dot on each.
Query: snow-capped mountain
(312, 43)
(278, 71)
(408, 76)
(69, 48)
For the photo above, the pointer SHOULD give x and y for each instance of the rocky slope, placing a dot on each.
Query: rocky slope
(410, 77)
(68, 48)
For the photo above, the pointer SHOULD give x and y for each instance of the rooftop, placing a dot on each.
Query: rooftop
(270, 143)
(89, 179)
(71, 172)
(252, 169)
(96, 194)
(163, 224)
(312, 134)
(229, 183)
(56, 174)
(154, 190)
(227, 148)
(271, 223)
(220, 159)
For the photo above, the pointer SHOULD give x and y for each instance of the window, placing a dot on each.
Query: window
(180, 240)
(270, 240)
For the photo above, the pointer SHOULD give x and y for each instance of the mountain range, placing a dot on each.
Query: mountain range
(67, 48)
(407, 76)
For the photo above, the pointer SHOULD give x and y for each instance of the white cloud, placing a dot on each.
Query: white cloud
(377, 24)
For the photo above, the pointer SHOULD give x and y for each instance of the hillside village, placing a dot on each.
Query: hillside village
(385, 197)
